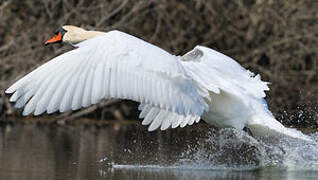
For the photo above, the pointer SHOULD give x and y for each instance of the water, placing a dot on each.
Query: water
(130, 152)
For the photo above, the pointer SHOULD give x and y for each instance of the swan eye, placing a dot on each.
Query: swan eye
(56, 32)
(62, 30)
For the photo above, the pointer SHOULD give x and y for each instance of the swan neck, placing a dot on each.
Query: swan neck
(80, 36)
(91, 34)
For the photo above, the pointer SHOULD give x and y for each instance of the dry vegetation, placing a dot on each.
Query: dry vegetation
(278, 39)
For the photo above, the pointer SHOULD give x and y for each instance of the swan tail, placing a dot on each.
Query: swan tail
(268, 126)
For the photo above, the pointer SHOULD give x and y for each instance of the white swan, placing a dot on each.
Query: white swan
(173, 90)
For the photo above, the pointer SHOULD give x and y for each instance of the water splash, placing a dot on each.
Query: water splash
(236, 150)
(301, 155)
(230, 149)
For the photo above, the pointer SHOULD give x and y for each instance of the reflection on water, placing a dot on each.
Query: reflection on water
(130, 152)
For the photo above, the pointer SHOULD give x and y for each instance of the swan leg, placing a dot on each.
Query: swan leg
(248, 131)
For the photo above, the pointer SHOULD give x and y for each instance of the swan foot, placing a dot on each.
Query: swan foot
(248, 131)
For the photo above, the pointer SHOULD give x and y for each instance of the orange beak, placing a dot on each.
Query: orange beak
(57, 38)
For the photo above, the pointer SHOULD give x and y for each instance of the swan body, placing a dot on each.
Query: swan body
(172, 90)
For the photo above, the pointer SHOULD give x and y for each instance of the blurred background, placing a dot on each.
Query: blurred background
(278, 39)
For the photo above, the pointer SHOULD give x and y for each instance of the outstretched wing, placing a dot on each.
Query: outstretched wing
(216, 71)
(114, 65)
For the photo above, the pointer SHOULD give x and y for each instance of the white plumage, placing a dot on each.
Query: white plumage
(173, 90)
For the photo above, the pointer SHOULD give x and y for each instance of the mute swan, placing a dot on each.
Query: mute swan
(172, 90)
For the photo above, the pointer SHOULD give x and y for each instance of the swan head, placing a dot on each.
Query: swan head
(71, 35)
